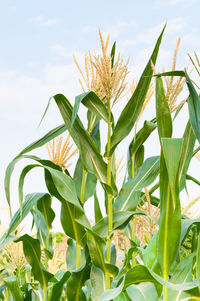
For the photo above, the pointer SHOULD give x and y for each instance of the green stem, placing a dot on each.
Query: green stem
(133, 219)
(47, 246)
(110, 198)
(78, 246)
(78, 257)
(84, 177)
(44, 293)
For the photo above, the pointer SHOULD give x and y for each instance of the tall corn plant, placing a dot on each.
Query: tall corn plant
(167, 268)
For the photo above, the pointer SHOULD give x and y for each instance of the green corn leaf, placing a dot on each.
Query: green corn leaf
(38, 143)
(193, 107)
(136, 148)
(91, 101)
(141, 136)
(128, 195)
(97, 210)
(170, 211)
(42, 232)
(189, 177)
(198, 260)
(143, 292)
(13, 286)
(29, 203)
(90, 155)
(76, 282)
(97, 282)
(188, 147)
(96, 247)
(113, 54)
(193, 101)
(186, 225)
(181, 274)
(163, 115)
(58, 287)
(71, 255)
(120, 219)
(91, 181)
(32, 252)
(122, 297)
(112, 293)
(71, 227)
(132, 110)
(140, 273)
(44, 206)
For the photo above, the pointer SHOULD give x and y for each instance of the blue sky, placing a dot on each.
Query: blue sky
(38, 39)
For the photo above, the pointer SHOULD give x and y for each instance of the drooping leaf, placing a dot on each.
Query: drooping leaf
(30, 201)
(142, 292)
(32, 252)
(132, 110)
(120, 219)
(58, 287)
(38, 143)
(44, 206)
(96, 247)
(13, 286)
(75, 283)
(193, 107)
(140, 273)
(90, 155)
(112, 293)
(91, 101)
(181, 274)
(43, 234)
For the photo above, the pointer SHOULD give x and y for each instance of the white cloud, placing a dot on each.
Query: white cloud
(160, 3)
(150, 35)
(46, 22)
(60, 50)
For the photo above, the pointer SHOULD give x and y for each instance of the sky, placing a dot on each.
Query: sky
(38, 39)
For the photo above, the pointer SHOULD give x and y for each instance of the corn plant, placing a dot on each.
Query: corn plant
(160, 263)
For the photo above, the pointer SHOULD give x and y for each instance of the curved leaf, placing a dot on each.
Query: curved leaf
(58, 287)
(142, 292)
(128, 198)
(188, 146)
(32, 252)
(90, 155)
(30, 201)
(112, 293)
(91, 101)
(75, 283)
(38, 143)
(12, 284)
(193, 107)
